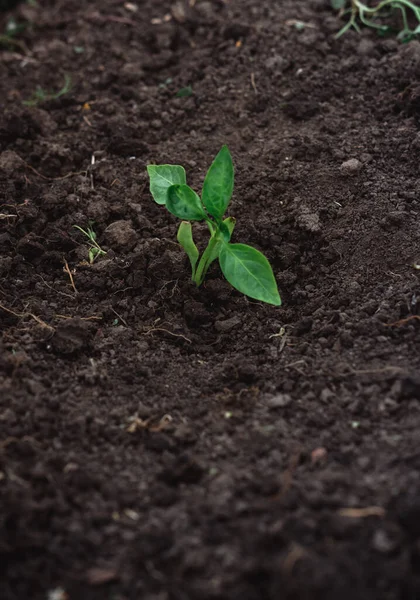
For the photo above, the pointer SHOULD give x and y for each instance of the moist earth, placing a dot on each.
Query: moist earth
(164, 442)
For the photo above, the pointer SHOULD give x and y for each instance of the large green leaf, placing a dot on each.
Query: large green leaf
(185, 238)
(162, 177)
(184, 203)
(218, 184)
(247, 270)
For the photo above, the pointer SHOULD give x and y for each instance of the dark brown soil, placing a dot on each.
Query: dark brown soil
(161, 442)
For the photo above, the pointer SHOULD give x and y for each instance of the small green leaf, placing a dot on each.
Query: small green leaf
(184, 92)
(185, 238)
(167, 81)
(218, 184)
(248, 270)
(338, 4)
(162, 177)
(93, 253)
(228, 226)
(184, 203)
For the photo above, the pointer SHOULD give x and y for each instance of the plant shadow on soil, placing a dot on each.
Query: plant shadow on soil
(165, 442)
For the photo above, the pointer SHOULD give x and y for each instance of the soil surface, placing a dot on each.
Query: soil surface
(163, 442)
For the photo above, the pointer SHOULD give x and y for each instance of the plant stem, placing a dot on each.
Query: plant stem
(366, 14)
(204, 264)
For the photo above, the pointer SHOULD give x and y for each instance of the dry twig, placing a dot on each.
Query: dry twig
(66, 269)
(360, 513)
(27, 314)
(178, 335)
(404, 321)
(54, 178)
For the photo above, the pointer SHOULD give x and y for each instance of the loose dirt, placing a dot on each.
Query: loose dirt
(163, 442)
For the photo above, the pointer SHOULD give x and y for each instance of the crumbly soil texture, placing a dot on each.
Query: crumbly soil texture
(160, 441)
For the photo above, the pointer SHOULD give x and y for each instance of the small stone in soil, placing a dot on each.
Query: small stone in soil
(279, 401)
(351, 166)
(384, 542)
(120, 234)
(227, 324)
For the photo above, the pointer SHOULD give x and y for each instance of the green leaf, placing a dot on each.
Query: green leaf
(185, 238)
(228, 227)
(248, 270)
(338, 4)
(184, 92)
(184, 203)
(93, 253)
(218, 184)
(162, 177)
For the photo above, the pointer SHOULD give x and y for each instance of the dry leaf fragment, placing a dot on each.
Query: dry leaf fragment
(100, 575)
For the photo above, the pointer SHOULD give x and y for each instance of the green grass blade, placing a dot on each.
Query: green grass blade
(65, 89)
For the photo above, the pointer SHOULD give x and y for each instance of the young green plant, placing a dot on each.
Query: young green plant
(367, 15)
(12, 29)
(40, 95)
(94, 248)
(244, 267)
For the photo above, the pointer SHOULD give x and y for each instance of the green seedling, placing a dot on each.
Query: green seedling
(11, 31)
(40, 95)
(368, 16)
(245, 268)
(184, 92)
(94, 248)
